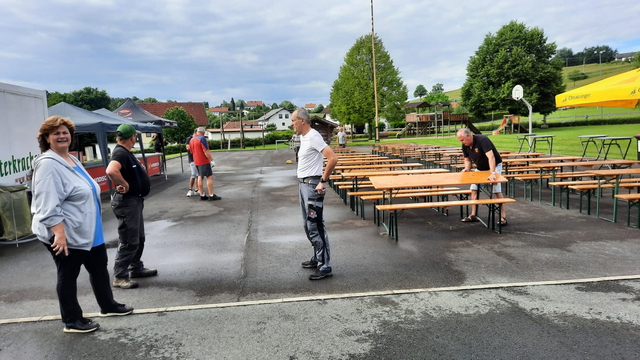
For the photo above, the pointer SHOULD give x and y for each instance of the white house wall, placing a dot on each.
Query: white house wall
(282, 120)
(236, 135)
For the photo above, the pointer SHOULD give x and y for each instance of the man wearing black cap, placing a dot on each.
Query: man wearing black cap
(132, 185)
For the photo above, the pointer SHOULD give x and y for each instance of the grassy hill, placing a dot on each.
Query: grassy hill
(592, 71)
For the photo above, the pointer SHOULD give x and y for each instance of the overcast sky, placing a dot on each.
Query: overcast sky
(272, 50)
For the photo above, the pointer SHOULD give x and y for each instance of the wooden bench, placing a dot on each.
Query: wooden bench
(494, 205)
(528, 181)
(359, 207)
(587, 190)
(427, 195)
(564, 187)
(633, 200)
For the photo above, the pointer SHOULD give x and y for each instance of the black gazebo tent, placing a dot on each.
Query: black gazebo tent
(132, 111)
(90, 122)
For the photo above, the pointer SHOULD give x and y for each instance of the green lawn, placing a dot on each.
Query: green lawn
(566, 140)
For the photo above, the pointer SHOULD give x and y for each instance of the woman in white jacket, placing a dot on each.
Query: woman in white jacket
(67, 219)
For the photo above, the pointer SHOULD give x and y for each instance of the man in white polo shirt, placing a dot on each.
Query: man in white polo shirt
(313, 179)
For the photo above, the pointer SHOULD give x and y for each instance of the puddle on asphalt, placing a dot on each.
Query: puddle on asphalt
(285, 238)
(156, 227)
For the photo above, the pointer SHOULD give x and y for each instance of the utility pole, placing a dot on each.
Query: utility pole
(375, 82)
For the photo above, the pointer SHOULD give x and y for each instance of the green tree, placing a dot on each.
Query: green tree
(55, 98)
(214, 121)
(636, 60)
(515, 55)
(151, 100)
(596, 54)
(352, 95)
(435, 97)
(271, 127)
(186, 125)
(420, 92)
(287, 105)
(437, 88)
(116, 102)
(566, 55)
(89, 98)
(274, 106)
(232, 105)
(318, 108)
(241, 104)
(576, 75)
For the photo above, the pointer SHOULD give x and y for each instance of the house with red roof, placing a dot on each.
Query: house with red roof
(194, 109)
(231, 130)
(253, 104)
(217, 111)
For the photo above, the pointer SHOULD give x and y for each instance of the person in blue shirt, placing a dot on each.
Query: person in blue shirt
(67, 219)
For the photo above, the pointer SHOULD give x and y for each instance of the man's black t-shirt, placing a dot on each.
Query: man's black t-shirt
(132, 171)
(189, 154)
(478, 152)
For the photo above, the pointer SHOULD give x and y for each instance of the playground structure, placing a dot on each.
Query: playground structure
(509, 124)
(436, 123)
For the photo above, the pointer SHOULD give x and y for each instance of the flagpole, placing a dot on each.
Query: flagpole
(375, 80)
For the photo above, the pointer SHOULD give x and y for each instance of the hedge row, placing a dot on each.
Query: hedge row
(269, 138)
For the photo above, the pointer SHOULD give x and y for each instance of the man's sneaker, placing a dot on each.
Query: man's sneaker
(310, 264)
(320, 274)
(214, 197)
(81, 326)
(204, 197)
(124, 283)
(143, 273)
(189, 193)
(119, 310)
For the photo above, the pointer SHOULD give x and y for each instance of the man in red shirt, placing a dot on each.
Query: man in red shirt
(199, 148)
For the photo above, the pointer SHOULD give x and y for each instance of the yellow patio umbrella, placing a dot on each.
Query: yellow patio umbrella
(622, 90)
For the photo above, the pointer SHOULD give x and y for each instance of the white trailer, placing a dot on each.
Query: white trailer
(22, 111)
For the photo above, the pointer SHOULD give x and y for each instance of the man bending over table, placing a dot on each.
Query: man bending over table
(486, 157)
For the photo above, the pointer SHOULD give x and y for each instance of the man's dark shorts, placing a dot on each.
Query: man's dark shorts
(205, 170)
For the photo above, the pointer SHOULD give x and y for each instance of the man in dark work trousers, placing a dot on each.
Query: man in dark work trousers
(132, 185)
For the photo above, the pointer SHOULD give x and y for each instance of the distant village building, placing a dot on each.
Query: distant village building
(251, 130)
(625, 56)
(195, 109)
(280, 117)
(217, 111)
(309, 107)
(253, 104)
(324, 127)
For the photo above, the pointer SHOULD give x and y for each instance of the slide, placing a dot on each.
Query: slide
(502, 125)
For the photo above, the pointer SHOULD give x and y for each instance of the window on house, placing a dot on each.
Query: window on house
(283, 124)
(286, 116)
(279, 116)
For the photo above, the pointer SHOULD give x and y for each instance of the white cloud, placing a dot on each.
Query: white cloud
(285, 50)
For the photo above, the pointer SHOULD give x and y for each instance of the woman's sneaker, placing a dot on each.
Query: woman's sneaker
(81, 326)
(204, 197)
(189, 193)
(119, 310)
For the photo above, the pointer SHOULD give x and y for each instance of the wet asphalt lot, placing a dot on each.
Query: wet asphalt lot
(540, 290)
